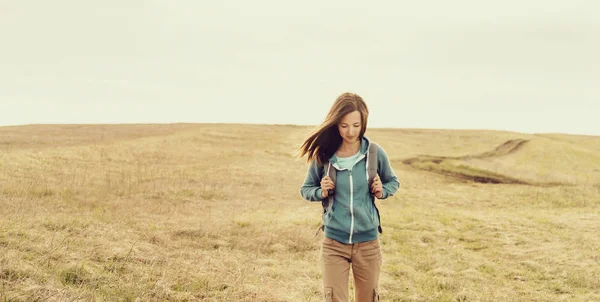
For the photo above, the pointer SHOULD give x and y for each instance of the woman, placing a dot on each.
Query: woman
(351, 223)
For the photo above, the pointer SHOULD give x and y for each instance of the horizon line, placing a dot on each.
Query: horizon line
(286, 125)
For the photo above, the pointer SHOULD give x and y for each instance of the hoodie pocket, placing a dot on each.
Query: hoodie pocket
(364, 219)
(331, 219)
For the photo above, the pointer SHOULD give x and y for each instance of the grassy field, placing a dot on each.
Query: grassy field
(189, 212)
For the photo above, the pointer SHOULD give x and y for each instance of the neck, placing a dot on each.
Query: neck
(350, 147)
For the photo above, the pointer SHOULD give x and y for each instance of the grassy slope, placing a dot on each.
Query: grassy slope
(538, 160)
(188, 212)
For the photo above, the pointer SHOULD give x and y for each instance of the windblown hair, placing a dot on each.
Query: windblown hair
(326, 139)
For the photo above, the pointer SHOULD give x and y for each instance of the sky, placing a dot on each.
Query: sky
(519, 65)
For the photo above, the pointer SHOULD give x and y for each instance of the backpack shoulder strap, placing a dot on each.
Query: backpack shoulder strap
(329, 171)
(332, 173)
(327, 203)
(372, 167)
(372, 162)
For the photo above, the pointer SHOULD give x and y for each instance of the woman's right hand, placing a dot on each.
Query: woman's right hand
(326, 184)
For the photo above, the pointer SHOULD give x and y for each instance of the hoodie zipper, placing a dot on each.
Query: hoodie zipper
(351, 209)
(351, 195)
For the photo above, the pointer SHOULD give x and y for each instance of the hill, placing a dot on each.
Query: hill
(213, 212)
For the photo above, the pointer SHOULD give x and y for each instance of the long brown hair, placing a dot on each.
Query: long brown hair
(326, 139)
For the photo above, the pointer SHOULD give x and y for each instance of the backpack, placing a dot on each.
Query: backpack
(372, 168)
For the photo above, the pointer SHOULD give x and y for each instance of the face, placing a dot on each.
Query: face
(350, 127)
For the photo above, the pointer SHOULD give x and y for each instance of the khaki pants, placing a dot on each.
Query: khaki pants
(365, 258)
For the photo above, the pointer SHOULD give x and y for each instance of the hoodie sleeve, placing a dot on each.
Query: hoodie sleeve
(311, 189)
(390, 181)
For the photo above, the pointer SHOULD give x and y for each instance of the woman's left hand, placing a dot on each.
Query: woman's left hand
(377, 187)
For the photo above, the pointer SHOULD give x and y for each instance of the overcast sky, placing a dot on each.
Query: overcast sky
(520, 65)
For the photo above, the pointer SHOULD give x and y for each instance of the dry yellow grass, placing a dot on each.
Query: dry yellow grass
(191, 212)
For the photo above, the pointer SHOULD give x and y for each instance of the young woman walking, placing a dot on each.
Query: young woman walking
(339, 176)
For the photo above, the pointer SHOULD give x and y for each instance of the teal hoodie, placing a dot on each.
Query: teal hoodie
(353, 217)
